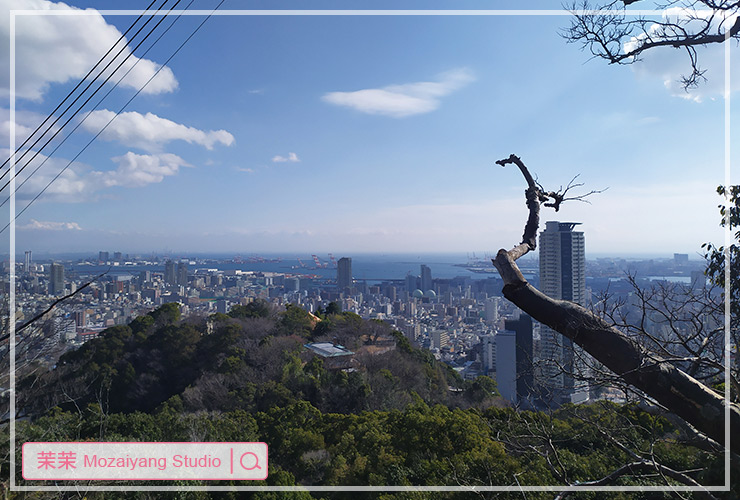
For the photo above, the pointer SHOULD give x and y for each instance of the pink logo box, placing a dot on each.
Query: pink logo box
(74, 461)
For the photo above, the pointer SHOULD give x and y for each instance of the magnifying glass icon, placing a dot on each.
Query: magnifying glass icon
(256, 461)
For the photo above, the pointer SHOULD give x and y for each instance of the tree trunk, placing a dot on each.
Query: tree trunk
(674, 389)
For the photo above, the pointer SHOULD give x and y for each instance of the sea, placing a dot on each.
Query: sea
(373, 268)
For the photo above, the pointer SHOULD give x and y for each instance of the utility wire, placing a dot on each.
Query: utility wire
(114, 117)
(37, 152)
(94, 107)
(51, 115)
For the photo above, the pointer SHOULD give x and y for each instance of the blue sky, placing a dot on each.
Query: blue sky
(362, 134)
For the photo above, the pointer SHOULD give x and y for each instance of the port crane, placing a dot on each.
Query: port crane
(318, 263)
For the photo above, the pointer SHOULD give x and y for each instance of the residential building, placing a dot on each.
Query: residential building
(562, 276)
(506, 365)
(523, 329)
(56, 279)
(170, 276)
(344, 273)
(426, 278)
(182, 273)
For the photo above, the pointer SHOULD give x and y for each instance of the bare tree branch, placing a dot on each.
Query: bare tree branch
(641, 468)
(674, 389)
(611, 32)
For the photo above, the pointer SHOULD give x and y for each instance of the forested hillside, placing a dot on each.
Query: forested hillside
(394, 417)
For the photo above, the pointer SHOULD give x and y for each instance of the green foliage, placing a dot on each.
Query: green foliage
(166, 314)
(402, 343)
(716, 255)
(142, 324)
(481, 389)
(392, 420)
(333, 308)
(219, 317)
(295, 321)
(257, 309)
(419, 445)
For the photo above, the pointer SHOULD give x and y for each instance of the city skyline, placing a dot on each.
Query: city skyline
(352, 142)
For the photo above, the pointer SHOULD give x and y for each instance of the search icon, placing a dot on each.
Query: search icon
(256, 461)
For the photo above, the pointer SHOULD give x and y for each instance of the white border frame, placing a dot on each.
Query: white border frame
(518, 488)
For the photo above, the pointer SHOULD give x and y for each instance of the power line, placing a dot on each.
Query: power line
(122, 37)
(37, 152)
(113, 87)
(121, 110)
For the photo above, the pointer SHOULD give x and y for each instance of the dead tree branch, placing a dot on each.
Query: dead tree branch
(640, 469)
(677, 391)
(609, 31)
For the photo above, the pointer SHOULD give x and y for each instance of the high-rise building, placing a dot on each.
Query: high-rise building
(27, 262)
(103, 256)
(440, 339)
(344, 273)
(506, 365)
(524, 354)
(170, 277)
(491, 310)
(56, 279)
(562, 276)
(144, 277)
(292, 284)
(412, 283)
(182, 273)
(488, 353)
(81, 319)
(426, 278)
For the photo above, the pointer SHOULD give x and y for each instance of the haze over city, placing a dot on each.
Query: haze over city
(360, 133)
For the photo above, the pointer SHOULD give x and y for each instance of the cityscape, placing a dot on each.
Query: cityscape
(463, 320)
(238, 227)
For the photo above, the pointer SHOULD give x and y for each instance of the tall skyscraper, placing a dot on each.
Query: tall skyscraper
(103, 256)
(56, 279)
(562, 276)
(426, 278)
(170, 276)
(182, 273)
(27, 262)
(524, 356)
(344, 273)
(412, 283)
(506, 365)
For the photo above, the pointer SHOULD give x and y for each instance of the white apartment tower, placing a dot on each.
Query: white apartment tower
(562, 276)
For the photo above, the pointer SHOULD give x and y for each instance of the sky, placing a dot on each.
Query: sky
(355, 133)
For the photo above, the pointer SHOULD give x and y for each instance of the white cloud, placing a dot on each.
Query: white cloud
(400, 101)
(150, 132)
(292, 158)
(139, 170)
(55, 49)
(79, 182)
(247, 170)
(669, 65)
(50, 226)
(69, 185)
(25, 123)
